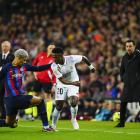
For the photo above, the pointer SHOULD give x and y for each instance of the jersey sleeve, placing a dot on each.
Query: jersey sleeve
(77, 58)
(37, 68)
(56, 72)
(3, 71)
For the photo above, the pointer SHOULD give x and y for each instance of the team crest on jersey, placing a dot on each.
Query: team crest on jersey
(0, 68)
(71, 67)
(21, 69)
(59, 68)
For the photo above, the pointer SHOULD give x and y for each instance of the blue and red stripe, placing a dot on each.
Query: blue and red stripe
(12, 82)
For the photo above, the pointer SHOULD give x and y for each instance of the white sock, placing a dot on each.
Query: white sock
(55, 117)
(74, 113)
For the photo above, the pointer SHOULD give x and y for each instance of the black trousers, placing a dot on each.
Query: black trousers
(123, 112)
(2, 92)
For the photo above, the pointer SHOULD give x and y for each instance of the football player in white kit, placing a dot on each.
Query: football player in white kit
(67, 83)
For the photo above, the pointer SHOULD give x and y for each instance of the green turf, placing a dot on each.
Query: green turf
(88, 130)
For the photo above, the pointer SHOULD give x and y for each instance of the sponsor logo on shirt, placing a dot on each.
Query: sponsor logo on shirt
(71, 67)
(42, 57)
(59, 68)
(56, 72)
(16, 75)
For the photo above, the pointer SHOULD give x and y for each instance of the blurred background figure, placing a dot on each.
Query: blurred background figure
(5, 57)
(44, 79)
(65, 113)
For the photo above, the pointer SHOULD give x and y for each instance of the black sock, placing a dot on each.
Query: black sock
(42, 112)
(123, 112)
(3, 123)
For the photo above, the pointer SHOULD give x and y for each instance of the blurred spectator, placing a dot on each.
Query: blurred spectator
(86, 108)
(80, 107)
(110, 92)
(96, 87)
(112, 109)
(65, 113)
(103, 114)
(93, 108)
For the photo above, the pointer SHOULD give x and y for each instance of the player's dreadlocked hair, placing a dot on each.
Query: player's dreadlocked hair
(57, 50)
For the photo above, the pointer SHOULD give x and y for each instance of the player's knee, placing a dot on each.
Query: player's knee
(59, 108)
(74, 104)
(73, 101)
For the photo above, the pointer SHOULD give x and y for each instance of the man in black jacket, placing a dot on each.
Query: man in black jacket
(5, 57)
(130, 75)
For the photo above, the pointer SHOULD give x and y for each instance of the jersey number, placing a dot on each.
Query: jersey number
(60, 91)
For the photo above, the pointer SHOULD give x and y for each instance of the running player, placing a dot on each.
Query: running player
(44, 78)
(13, 75)
(67, 83)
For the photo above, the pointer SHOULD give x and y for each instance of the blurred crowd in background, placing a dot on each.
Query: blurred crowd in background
(97, 29)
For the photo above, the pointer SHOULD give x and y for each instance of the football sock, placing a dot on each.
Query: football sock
(49, 106)
(42, 112)
(123, 112)
(55, 117)
(3, 123)
(35, 112)
(74, 113)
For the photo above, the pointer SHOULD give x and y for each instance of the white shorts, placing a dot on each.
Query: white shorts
(62, 92)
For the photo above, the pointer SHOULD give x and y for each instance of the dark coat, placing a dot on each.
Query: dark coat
(9, 58)
(130, 75)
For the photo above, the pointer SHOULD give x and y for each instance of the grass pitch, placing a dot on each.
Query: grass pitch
(88, 130)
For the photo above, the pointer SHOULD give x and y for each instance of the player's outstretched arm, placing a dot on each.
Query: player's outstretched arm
(38, 68)
(76, 83)
(85, 59)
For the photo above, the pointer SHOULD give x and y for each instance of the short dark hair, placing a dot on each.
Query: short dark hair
(130, 41)
(52, 43)
(57, 50)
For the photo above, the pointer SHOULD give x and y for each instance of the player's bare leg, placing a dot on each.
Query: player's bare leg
(74, 109)
(39, 102)
(49, 105)
(56, 112)
(36, 94)
(9, 122)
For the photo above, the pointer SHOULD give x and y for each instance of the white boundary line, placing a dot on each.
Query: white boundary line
(87, 130)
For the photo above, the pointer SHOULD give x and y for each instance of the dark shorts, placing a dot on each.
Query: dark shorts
(17, 102)
(39, 85)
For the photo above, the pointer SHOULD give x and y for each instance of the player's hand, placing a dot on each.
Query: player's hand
(77, 83)
(93, 70)
(35, 75)
(53, 88)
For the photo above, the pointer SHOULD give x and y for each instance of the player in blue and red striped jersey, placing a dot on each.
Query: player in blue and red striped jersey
(14, 99)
